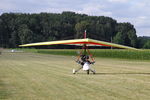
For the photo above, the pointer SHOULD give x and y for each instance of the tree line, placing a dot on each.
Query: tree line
(22, 28)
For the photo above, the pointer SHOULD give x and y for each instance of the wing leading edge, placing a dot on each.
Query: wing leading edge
(79, 41)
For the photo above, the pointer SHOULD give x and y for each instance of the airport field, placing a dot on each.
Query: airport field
(34, 76)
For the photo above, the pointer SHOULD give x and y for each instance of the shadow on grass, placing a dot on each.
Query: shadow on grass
(4, 93)
(126, 73)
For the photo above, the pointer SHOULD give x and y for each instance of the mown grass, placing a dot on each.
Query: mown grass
(4, 93)
(33, 76)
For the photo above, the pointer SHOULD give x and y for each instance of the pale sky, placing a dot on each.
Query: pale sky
(134, 11)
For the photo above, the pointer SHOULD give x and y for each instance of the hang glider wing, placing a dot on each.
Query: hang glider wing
(79, 41)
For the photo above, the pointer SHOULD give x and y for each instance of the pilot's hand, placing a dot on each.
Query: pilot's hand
(93, 62)
(78, 61)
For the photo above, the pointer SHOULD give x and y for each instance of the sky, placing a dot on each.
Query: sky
(135, 12)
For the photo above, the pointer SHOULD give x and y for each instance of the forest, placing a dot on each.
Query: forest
(22, 28)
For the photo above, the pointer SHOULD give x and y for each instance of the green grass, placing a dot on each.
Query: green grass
(32, 76)
(103, 53)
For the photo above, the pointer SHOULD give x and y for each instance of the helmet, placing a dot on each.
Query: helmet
(84, 57)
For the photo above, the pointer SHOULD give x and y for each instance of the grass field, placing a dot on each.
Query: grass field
(32, 76)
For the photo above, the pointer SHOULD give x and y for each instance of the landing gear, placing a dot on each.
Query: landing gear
(94, 72)
(73, 71)
(88, 71)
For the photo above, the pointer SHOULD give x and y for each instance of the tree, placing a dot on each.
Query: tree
(129, 34)
(119, 38)
(147, 45)
(16, 28)
(80, 28)
(142, 40)
(133, 38)
(14, 40)
(25, 34)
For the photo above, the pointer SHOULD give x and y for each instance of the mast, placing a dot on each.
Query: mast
(85, 34)
(84, 46)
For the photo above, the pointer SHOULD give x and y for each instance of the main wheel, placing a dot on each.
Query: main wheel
(88, 71)
(94, 72)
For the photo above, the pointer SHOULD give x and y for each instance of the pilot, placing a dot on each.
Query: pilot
(85, 63)
(84, 59)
